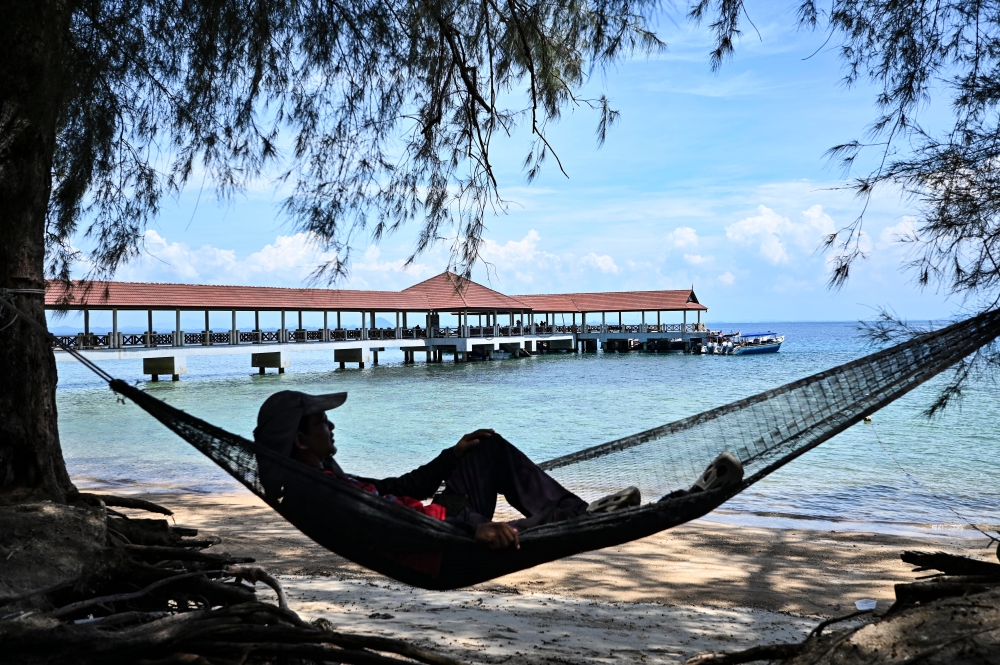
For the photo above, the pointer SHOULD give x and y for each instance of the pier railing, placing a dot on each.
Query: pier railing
(237, 337)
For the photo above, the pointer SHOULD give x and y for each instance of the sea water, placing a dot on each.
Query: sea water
(901, 474)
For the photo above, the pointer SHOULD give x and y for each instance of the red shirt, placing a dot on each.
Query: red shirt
(431, 510)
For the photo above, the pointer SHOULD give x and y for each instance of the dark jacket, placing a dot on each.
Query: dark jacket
(421, 483)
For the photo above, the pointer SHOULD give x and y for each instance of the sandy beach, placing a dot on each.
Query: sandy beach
(703, 586)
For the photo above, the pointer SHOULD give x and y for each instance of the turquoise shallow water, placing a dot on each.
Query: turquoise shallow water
(399, 416)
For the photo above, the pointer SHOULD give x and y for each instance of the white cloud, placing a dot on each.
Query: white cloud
(288, 257)
(898, 233)
(683, 236)
(698, 259)
(727, 278)
(177, 262)
(774, 235)
(517, 254)
(288, 261)
(604, 263)
(520, 260)
(371, 262)
(513, 251)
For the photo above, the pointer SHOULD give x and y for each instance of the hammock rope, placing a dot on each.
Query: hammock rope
(766, 431)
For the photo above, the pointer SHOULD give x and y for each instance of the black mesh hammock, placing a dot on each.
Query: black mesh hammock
(765, 431)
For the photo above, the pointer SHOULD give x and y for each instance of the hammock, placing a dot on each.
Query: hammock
(765, 431)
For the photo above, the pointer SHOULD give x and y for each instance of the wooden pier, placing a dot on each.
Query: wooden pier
(484, 322)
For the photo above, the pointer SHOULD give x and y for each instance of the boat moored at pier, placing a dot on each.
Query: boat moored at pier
(757, 342)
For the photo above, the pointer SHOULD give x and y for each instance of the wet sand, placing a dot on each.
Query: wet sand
(702, 586)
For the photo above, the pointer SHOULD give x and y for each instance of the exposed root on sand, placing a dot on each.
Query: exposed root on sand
(84, 583)
(952, 618)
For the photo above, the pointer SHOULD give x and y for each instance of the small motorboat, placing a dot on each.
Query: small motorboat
(758, 342)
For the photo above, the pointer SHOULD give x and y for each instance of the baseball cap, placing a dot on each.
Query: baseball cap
(280, 414)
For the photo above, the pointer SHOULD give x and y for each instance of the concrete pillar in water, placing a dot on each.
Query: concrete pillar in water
(357, 355)
(172, 365)
(277, 359)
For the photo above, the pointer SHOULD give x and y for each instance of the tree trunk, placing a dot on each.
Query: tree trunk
(32, 38)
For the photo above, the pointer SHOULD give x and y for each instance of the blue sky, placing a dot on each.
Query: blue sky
(713, 180)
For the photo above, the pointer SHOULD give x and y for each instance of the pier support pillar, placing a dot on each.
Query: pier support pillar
(561, 344)
(374, 357)
(172, 365)
(276, 359)
(360, 356)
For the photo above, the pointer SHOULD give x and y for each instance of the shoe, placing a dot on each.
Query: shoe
(624, 499)
(725, 472)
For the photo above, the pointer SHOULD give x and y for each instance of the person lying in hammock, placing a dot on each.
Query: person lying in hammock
(475, 470)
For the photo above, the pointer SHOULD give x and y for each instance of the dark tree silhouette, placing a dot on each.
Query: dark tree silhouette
(376, 112)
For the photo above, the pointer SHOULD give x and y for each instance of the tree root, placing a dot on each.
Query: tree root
(952, 618)
(122, 502)
(753, 654)
(163, 601)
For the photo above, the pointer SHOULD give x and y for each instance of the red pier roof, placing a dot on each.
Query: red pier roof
(621, 301)
(435, 294)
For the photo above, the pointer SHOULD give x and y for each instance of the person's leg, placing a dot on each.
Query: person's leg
(495, 467)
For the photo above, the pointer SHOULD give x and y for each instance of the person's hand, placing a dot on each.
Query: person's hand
(470, 441)
(497, 535)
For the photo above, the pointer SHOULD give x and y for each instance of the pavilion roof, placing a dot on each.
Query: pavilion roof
(621, 301)
(439, 293)
(155, 295)
(449, 291)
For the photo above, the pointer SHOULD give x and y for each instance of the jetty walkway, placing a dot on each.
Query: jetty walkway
(485, 321)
